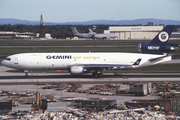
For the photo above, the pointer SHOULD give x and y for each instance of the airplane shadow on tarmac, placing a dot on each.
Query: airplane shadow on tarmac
(66, 75)
(41, 75)
(44, 75)
(57, 77)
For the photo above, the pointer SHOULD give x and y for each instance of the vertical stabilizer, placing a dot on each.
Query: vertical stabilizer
(163, 36)
(90, 31)
(74, 30)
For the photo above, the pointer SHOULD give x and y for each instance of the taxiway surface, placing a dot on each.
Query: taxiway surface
(7, 77)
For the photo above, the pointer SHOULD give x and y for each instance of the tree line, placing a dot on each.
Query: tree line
(57, 31)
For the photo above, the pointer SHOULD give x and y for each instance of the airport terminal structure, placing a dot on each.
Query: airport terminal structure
(134, 32)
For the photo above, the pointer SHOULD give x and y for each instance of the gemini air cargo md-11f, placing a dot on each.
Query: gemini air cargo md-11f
(78, 63)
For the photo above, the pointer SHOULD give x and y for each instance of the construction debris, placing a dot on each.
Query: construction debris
(41, 104)
(50, 98)
(163, 108)
(28, 100)
(13, 99)
(84, 114)
(99, 104)
(5, 105)
(141, 103)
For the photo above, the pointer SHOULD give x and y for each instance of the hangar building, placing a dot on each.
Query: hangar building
(134, 32)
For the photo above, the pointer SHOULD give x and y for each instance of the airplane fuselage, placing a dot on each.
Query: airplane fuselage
(97, 36)
(63, 61)
(83, 35)
(106, 36)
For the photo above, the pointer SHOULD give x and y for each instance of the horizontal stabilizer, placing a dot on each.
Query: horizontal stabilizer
(161, 59)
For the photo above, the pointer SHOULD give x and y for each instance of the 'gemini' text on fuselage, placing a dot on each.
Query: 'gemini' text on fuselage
(59, 57)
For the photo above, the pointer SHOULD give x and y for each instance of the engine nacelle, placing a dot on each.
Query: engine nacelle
(76, 70)
(155, 48)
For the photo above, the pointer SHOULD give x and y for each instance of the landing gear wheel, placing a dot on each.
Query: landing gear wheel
(95, 74)
(100, 74)
(26, 75)
(26, 71)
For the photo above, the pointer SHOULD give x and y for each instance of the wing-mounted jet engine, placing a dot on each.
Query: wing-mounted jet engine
(159, 44)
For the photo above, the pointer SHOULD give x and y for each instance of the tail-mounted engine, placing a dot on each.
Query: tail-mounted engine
(155, 48)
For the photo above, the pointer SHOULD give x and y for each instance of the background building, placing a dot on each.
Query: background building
(16, 35)
(41, 20)
(134, 32)
(175, 35)
(151, 23)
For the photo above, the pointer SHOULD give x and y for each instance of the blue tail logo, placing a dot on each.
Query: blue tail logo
(163, 36)
(159, 44)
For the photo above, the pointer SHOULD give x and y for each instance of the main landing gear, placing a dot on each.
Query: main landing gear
(97, 74)
(26, 73)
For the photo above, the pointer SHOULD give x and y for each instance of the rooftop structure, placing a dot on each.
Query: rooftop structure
(41, 20)
(134, 32)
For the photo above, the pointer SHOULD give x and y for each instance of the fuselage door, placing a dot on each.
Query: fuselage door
(16, 61)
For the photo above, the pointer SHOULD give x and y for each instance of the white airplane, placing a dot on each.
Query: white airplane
(101, 36)
(79, 63)
(92, 34)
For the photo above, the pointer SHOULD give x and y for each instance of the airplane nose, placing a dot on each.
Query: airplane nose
(3, 62)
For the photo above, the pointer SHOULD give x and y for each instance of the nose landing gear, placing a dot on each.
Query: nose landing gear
(26, 73)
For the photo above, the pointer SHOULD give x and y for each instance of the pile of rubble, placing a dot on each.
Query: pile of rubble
(86, 114)
(72, 86)
(103, 89)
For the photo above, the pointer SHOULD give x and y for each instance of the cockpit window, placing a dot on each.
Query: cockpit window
(9, 59)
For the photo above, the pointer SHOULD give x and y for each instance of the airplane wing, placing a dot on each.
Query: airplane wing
(111, 66)
(106, 66)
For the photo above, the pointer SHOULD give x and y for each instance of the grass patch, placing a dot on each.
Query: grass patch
(10, 47)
